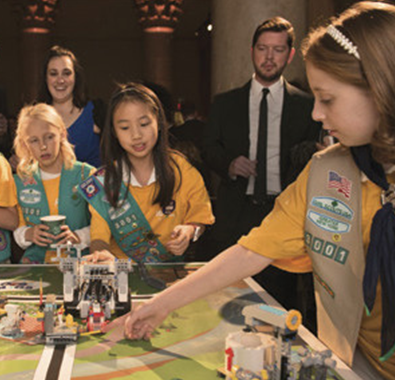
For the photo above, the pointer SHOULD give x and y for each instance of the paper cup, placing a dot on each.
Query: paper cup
(54, 222)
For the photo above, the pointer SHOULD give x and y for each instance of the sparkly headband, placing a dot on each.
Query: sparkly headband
(343, 41)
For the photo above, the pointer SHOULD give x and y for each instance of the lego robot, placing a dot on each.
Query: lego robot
(94, 288)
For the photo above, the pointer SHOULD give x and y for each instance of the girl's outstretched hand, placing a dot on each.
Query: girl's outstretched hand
(180, 239)
(39, 235)
(100, 257)
(67, 236)
(141, 323)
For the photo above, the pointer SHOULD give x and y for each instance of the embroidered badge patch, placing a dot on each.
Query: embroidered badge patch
(75, 196)
(334, 206)
(169, 208)
(30, 196)
(327, 223)
(30, 211)
(89, 188)
(30, 181)
(137, 240)
(336, 238)
(324, 285)
(138, 253)
(341, 184)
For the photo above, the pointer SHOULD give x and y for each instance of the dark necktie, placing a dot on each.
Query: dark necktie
(260, 180)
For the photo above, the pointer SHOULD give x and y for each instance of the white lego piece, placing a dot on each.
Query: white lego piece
(249, 350)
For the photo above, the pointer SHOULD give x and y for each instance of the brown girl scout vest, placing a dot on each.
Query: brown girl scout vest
(333, 236)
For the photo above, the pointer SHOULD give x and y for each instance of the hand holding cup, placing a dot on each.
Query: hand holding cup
(54, 224)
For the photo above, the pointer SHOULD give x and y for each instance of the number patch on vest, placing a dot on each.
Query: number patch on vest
(31, 211)
(130, 219)
(326, 248)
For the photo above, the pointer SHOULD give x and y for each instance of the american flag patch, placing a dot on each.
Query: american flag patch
(341, 184)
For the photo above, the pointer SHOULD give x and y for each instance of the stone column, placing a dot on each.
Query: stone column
(159, 19)
(36, 20)
(234, 26)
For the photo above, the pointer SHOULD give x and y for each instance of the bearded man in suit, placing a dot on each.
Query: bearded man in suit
(253, 169)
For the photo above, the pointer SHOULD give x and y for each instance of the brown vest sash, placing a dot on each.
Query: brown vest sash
(333, 235)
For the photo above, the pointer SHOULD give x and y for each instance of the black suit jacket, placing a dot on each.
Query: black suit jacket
(227, 137)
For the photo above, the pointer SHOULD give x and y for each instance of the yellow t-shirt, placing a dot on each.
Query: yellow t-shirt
(281, 238)
(192, 205)
(8, 189)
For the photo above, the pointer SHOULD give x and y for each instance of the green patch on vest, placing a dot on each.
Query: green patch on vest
(334, 206)
(327, 223)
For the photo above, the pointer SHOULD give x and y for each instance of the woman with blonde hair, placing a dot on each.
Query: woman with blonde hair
(47, 179)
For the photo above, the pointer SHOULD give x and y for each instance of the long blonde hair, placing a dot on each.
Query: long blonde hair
(28, 165)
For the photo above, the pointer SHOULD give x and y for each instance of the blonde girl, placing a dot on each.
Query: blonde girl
(46, 180)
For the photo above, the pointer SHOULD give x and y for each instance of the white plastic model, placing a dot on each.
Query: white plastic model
(86, 284)
(258, 356)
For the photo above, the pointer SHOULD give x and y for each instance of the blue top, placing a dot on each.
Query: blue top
(85, 140)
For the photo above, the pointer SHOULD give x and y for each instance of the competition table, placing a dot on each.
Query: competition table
(188, 345)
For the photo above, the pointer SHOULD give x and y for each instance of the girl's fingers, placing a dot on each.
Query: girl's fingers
(42, 241)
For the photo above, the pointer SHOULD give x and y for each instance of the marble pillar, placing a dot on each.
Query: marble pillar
(159, 19)
(37, 19)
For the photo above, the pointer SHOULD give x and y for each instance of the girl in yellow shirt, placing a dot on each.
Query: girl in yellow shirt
(148, 202)
(46, 180)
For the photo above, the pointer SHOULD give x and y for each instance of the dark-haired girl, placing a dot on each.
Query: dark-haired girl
(148, 202)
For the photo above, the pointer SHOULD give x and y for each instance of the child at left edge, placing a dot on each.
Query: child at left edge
(8, 211)
(147, 203)
(46, 180)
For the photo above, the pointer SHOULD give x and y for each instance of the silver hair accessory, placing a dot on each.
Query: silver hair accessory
(343, 41)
